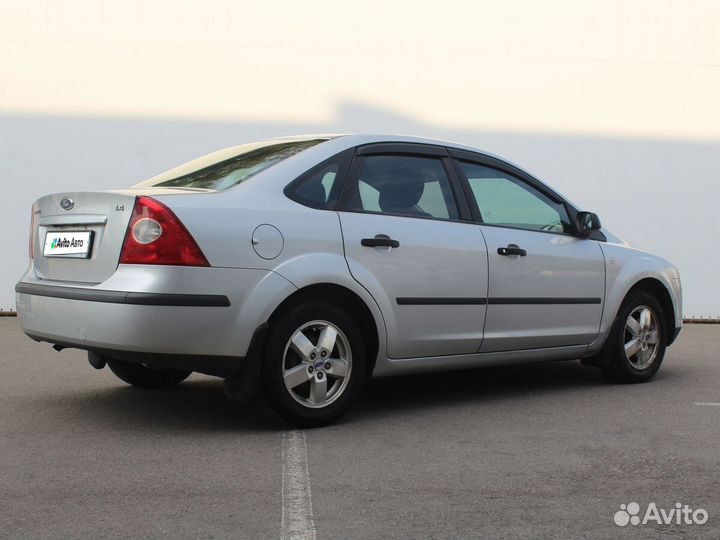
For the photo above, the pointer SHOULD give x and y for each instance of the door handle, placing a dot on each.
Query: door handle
(512, 249)
(380, 240)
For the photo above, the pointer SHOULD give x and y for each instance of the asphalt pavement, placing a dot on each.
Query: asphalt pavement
(539, 451)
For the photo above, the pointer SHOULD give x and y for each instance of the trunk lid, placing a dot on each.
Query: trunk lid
(105, 214)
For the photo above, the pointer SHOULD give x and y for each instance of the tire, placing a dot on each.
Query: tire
(143, 376)
(340, 367)
(640, 366)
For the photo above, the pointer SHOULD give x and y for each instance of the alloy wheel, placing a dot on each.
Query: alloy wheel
(317, 364)
(641, 337)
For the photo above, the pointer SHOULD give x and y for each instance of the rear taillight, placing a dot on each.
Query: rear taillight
(156, 236)
(31, 242)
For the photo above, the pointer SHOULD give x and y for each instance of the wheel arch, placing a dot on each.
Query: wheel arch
(345, 298)
(628, 269)
(658, 289)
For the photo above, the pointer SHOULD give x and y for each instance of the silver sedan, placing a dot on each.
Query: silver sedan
(296, 268)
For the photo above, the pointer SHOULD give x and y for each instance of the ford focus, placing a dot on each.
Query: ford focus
(297, 268)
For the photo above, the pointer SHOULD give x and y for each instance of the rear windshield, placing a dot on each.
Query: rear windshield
(229, 167)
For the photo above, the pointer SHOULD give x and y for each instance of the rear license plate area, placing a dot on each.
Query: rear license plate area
(68, 244)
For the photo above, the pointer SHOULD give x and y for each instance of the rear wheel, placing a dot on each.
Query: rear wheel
(637, 341)
(144, 376)
(315, 364)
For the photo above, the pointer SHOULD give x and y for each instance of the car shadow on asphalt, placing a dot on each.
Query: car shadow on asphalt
(199, 404)
(480, 386)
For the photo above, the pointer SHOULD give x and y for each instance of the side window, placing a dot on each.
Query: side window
(320, 186)
(369, 197)
(505, 200)
(404, 185)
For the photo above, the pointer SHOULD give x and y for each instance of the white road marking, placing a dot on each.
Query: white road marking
(297, 515)
(708, 404)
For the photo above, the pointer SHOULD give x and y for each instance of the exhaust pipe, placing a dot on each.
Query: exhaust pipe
(96, 360)
(57, 347)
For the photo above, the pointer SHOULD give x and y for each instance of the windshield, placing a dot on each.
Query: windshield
(229, 167)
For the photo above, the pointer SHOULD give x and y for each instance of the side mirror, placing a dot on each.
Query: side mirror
(586, 223)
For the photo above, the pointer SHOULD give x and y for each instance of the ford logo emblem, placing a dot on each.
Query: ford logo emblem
(67, 203)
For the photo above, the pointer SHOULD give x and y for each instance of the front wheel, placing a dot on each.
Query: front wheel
(315, 364)
(637, 341)
(144, 376)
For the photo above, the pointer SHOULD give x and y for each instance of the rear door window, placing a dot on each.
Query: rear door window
(404, 185)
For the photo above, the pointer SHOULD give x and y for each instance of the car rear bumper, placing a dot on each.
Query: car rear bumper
(118, 326)
(163, 311)
(123, 297)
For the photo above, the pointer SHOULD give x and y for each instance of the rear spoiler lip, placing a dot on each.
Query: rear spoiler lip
(123, 297)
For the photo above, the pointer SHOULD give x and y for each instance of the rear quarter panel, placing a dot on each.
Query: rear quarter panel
(312, 252)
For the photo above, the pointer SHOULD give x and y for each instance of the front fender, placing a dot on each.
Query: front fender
(624, 267)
